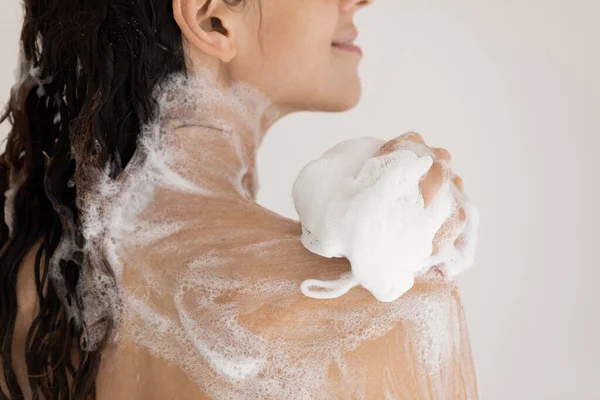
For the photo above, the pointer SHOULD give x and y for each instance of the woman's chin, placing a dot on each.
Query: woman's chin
(346, 100)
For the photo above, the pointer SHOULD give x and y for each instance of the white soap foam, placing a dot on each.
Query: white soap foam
(369, 209)
(207, 331)
(109, 208)
(190, 309)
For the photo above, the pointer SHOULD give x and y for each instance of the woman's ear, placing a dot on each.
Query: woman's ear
(207, 25)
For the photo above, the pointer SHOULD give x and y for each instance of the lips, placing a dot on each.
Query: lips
(346, 38)
(345, 42)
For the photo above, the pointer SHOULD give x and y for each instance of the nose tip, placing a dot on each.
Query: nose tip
(354, 5)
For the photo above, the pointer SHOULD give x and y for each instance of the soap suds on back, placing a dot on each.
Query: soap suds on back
(196, 301)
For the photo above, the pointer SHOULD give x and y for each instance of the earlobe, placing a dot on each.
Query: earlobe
(196, 19)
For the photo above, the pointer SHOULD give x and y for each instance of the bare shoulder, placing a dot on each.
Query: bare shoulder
(218, 303)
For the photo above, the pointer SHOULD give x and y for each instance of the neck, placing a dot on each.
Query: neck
(213, 132)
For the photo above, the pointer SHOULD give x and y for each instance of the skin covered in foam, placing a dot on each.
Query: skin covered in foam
(210, 281)
(355, 203)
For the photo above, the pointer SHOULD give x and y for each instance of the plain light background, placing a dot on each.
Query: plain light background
(512, 89)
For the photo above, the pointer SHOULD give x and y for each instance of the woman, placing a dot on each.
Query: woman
(135, 262)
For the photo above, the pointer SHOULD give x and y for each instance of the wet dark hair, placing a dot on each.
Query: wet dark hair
(88, 72)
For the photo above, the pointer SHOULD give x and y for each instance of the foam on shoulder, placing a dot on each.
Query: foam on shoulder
(354, 203)
(222, 301)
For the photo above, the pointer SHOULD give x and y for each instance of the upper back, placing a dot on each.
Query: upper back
(211, 308)
(214, 309)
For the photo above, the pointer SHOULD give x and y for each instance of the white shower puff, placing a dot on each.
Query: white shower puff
(371, 211)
